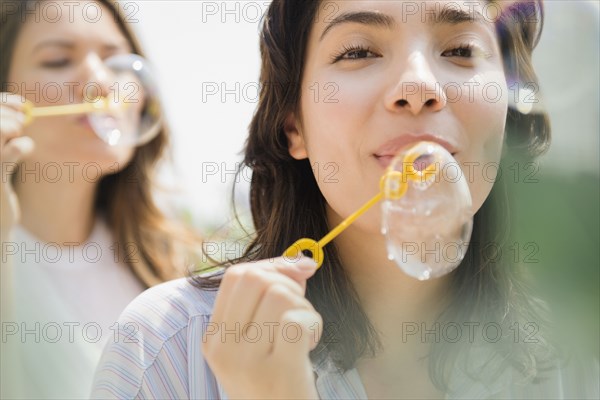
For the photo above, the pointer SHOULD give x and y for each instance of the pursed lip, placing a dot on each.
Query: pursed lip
(386, 152)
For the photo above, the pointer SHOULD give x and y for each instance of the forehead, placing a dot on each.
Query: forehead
(397, 12)
(86, 21)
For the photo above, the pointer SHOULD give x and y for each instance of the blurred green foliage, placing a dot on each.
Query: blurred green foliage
(557, 234)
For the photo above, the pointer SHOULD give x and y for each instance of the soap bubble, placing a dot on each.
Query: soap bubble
(427, 214)
(132, 113)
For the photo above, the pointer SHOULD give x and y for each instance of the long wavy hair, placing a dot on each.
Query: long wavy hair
(154, 247)
(283, 189)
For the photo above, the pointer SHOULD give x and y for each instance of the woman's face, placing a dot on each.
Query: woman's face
(59, 59)
(379, 74)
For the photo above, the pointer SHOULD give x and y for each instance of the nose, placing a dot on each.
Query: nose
(417, 88)
(96, 77)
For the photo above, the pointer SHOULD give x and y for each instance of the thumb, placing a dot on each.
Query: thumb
(299, 269)
(16, 149)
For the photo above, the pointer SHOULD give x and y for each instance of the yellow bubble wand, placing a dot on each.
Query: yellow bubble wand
(31, 112)
(393, 185)
(100, 104)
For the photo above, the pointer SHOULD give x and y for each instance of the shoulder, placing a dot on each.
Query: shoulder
(156, 343)
(571, 378)
(574, 377)
(484, 373)
(173, 302)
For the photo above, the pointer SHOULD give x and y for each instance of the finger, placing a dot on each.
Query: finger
(307, 323)
(244, 288)
(228, 281)
(12, 100)
(247, 294)
(16, 149)
(11, 123)
(265, 323)
(298, 272)
(241, 291)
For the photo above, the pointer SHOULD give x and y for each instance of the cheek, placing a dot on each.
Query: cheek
(336, 110)
(59, 142)
(335, 106)
(327, 135)
(53, 137)
(335, 132)
(47, 88)
(484, 120)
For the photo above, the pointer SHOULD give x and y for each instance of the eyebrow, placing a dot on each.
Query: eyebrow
(452, 16)
(361, 17)
(70, 45)
(449, 16)
(53, 42)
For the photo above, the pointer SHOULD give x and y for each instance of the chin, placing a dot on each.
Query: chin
(107, 160)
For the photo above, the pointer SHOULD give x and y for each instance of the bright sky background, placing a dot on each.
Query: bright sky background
(200, 51)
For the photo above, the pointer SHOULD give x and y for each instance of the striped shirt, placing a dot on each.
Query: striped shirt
(156, 354)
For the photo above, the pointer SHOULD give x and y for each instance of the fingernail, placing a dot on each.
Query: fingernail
(26, 144)
(306, 264)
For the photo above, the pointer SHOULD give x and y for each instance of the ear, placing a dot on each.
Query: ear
(296, 145)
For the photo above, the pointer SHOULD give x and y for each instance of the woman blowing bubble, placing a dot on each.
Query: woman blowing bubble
(358, 327)
(81, 234)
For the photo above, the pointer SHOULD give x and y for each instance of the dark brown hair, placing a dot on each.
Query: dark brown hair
(152, 245)
(286, 203)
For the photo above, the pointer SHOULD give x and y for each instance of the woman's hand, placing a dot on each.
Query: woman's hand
(262, 331)
(13, 146)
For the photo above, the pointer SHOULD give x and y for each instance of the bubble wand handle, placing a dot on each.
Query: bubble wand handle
(348, 221)
(31, 112)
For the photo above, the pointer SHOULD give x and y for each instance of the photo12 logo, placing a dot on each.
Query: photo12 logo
(67, 92)
(66, 332)
(70, 11)
(234, 11)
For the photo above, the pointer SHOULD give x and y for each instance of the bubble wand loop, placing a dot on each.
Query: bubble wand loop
(393, 185)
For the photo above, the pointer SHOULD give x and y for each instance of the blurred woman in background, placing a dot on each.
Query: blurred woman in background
(81, 233)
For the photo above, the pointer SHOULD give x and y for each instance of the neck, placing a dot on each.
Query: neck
(400, 307)
(390, 298)
(57, 210)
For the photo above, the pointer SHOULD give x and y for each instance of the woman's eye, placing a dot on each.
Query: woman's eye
(55, 64)
(462, 51)
(355, 53)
